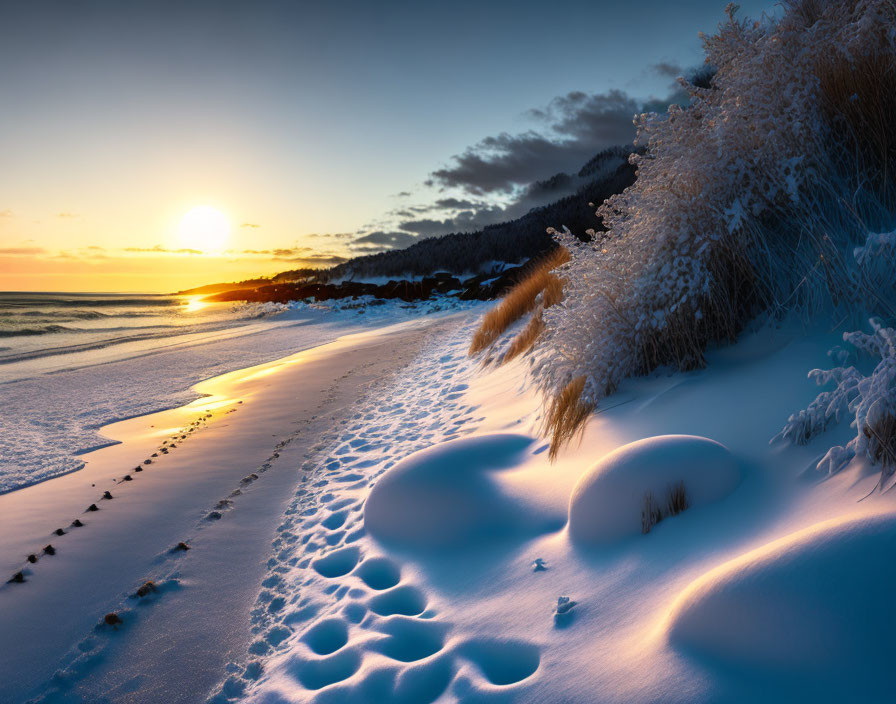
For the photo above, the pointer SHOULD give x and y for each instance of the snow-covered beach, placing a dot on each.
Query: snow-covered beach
(600, 407)
(183, 465)
(375, 519)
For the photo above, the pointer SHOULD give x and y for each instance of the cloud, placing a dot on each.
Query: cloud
(667, 69)
(454, 204)
(402, 194)
(250, 224)
(22, 251)
(159, 249)
(383, 240)
(333, 235)
(319, 259)
(65, 214)
(5, 213)
(577, 125)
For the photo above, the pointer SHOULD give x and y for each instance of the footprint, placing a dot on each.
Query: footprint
(379, 573)
(425, 682)
(502, 662)
(316, 674)
(326, 636)
(334, 520)
(409, 639)
(404, 601)
(337, 563)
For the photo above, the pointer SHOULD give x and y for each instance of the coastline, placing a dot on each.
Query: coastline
(260, 426)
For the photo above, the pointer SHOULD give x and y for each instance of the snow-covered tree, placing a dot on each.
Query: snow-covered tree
(750, 199)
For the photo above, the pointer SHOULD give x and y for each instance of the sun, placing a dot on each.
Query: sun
(205, 229)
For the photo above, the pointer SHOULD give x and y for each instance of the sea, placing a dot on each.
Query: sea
(37, 325)
(71, 363)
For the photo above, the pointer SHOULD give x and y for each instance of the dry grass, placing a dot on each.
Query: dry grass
(652, 513)
(567, 415)
(859, 97)
(677, 501)
(523, 342)
(521, 300)
(882, 441)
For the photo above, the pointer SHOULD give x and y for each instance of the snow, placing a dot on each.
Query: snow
(449, 495)
(429, 536)
(811, 606)
(54, 406)
(607, 501)
(413, 541)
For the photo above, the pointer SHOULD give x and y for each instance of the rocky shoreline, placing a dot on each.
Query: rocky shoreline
(480, 287)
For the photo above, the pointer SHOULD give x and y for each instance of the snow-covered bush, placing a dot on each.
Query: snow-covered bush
(750, 199)
(869, 399)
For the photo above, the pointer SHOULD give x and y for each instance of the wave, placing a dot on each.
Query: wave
(45, 330)
(76, 302)
(107, 342)
(53, 329)
(68, 315)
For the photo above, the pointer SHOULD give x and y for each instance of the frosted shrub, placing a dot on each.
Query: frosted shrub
(870, 401)
(745, 201)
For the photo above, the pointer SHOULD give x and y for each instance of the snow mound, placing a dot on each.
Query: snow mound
(607, 501)
(449, 494)
(817, 601)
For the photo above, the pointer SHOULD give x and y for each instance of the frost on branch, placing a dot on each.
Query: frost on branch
(870, 400)
(755, 198)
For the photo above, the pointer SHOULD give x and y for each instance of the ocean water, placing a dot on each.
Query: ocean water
(73, 362)
(36, 326)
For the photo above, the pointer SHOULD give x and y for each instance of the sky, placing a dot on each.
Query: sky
(310, 131)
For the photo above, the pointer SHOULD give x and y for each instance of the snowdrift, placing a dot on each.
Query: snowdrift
(606, 503)
(817, 603)
(450, 495)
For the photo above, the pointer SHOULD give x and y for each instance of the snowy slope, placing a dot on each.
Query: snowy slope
(427, 554)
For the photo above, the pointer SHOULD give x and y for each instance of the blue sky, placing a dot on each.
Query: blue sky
(302, 118)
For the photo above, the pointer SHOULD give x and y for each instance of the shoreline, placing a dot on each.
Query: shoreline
(258, 423)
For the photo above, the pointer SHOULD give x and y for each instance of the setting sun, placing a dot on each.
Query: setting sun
(205, 229)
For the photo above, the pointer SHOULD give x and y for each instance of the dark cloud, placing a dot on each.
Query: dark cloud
(667, 69)
(403, 194)
(279, 252)
(313, 260)
(383, 240)
(463, 221)
(578, 125)
(454, 204)
(22, 251)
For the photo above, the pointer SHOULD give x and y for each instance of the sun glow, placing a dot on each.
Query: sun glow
(205, 229)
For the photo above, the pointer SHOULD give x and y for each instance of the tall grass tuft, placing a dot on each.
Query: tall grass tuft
(567, 414)
(522, 299)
